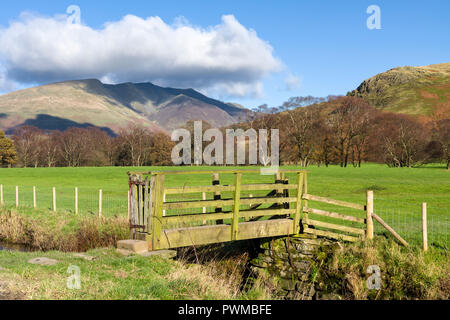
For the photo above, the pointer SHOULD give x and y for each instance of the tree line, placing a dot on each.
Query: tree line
(135, 145)
(344, 131)
(348, 131)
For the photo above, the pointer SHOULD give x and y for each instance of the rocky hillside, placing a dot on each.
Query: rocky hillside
(92, 103)
(410, 90)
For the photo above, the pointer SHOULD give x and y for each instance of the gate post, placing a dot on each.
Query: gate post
(158, 212)
(369, 212)
(237, 202)
(298, 206)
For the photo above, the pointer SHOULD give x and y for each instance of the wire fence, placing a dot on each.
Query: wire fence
(113, 203)
(406, 219)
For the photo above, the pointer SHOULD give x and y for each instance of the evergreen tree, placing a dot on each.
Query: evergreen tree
(8, 155)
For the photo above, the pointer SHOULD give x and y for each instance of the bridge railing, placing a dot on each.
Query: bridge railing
(171, 216)
(156, 209)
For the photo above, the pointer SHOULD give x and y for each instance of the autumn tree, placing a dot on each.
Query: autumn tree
(441, 134)
(26, 141)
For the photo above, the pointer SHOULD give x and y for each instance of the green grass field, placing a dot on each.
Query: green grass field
(399, 192)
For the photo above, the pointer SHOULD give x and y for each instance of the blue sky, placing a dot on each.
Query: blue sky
(324, 44)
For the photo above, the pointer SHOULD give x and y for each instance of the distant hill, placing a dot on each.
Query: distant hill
(84, 103)
(410, 90)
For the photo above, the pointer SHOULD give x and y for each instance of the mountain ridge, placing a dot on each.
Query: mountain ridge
(90, 102)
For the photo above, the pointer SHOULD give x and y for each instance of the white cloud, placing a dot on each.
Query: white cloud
(226, 57)
(292, 82)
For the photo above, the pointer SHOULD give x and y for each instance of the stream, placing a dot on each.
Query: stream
(4, 246)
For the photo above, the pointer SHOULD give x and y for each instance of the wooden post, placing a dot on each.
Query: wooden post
(76, 200)
(54, 199)
(157, 215)
(1, 195)
(34, 197)
(100, 200)
(424, 227)
(145, 202)
(298, 205)
(129, 202)
(133, 210)
(305, 216)
(17, 196)
(217, 195)
(237, 201)
(369, 212)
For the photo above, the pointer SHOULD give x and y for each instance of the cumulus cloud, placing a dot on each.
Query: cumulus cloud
(292, 82)
(228, 57)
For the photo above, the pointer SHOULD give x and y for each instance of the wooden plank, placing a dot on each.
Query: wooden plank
(266, 212)
(336, 227)
(334, 202)
(221, 203)
(191, 218)
(268, 200)
(331, 235)
(218, 188)
(232, 171)
(388, 228)
(236, 206)
(335, 215)
(202, 235)
(298, 204)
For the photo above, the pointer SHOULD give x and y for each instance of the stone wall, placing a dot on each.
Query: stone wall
(289, 265)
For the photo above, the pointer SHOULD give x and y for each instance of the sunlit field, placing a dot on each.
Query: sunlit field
(399, 192)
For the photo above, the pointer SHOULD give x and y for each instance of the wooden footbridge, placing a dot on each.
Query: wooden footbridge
(228, 210)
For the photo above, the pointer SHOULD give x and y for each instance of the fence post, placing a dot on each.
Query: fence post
(157, 216)
(17, 196)
(424, 227)
(100, 200)
(34, 197)
(1, 195)
(237, 201)
(54, 199)
(76, 200)
(369, 212)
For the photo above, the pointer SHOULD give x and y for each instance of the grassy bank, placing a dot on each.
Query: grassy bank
(112, 276)
(46, 230)
(406, 273)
